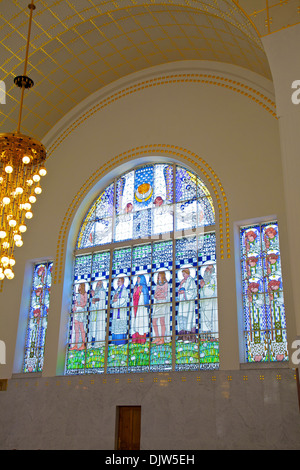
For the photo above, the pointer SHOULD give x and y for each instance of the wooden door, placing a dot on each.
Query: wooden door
(128, 427)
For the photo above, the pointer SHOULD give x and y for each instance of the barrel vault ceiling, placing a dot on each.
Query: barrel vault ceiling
(79, 46)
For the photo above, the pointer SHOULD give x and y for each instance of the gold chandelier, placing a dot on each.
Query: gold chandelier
(21, 168)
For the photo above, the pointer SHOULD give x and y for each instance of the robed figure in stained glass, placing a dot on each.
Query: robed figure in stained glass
(98, 317)
(140, 311)
(79, 309)
(161, 310)
(209, 304)
(187, 294)
(119, 313)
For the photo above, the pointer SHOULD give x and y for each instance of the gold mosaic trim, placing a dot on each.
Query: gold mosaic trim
(245, 90)
(162, 149)
(162, 379)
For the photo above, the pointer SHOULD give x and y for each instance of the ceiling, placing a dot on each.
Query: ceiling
(79, 46)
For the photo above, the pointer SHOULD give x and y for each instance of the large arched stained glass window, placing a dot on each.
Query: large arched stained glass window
(145, 284)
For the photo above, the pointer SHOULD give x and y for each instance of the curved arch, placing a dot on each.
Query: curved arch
(169, 151)
(169, 79)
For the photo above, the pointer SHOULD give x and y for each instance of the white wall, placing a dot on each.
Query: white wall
(282, 50)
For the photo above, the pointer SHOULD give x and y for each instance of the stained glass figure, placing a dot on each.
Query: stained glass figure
(38, 318)
(197, 343)
(119, 320)
(78, 322)
(140, 311)
(120, 310)
(150, 314)
(98, 299)
(79, 309)
(161, 310)
(207, 278)
(97, 325)
(140, 303)
(208, 297)
(187, 349)
(161, 307)
(139, 324)
(263, 300)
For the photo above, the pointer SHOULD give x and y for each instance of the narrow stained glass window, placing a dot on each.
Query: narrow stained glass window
(38, 317)
(263, 300)
(145, 296)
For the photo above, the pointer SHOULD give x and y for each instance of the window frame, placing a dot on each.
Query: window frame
(151, 239)
(240, 294)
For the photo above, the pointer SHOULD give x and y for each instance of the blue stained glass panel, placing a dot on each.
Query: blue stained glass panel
(142, 223)
(186, 185)
(186, 251)
(143, 187)
(82, 269)
(206, 212)
(100, 264)
(141, 258)
(105, 203)
(121, 261)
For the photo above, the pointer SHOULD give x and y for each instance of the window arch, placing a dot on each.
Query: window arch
(145, 284)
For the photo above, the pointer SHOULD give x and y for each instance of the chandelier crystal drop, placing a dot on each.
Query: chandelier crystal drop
(22, 161)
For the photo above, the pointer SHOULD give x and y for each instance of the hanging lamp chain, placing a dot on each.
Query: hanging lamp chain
(22, 81)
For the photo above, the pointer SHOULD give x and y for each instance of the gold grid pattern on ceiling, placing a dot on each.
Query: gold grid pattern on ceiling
(79, 46)
(270, 16)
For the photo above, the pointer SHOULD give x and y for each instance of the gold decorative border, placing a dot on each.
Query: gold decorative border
(137, 152)
(162, 379)
(206, 78)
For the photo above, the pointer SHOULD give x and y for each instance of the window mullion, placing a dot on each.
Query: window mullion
(174, 274)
